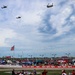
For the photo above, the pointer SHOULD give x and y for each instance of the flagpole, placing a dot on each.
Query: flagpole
(22, 54)
(13, 54)
(12, 49)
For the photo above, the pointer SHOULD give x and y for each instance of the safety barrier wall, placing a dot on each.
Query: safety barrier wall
(10, 66)
(48, 66)
(18, 66)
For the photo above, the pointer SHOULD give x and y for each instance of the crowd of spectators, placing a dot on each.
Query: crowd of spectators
(38, 61)
(44, 72)
(24, 72)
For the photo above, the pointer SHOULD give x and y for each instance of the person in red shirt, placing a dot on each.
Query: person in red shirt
(73, 72)
(44, 72)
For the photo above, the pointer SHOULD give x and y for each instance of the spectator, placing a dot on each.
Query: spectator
(20, 73)
(34, 72)
(13, 72)
(23, 72)
(73, 72)
(64, 72)
(31, 73)
(44, 72)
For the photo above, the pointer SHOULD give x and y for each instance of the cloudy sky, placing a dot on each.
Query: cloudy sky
(40, 30)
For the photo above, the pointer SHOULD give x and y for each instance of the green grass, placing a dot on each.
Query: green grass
(50, 72)
(3, 73)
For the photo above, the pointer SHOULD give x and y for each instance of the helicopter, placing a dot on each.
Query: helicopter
(18, 17)
(4, 7)
(49, 6)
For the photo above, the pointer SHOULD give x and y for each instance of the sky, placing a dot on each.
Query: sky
(41, 31)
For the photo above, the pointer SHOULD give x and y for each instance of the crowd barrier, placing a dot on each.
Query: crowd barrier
(10, 66)
(48, 66)
(23, 66)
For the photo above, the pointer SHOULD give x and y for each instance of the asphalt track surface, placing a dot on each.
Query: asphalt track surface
(9, 69)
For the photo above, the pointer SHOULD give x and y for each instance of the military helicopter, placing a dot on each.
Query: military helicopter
(18, 17)
(4, 7)
(49, 6)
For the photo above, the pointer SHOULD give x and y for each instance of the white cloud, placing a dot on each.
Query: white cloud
(72, 18)
(60, 19)
(30, 18)
(6, 34)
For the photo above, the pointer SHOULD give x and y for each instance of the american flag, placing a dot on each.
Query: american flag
(12, 48)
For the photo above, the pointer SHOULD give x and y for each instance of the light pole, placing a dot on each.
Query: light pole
(68, 54)
(54, 55)
(42, 55)
(54, 58)
(30, 56)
